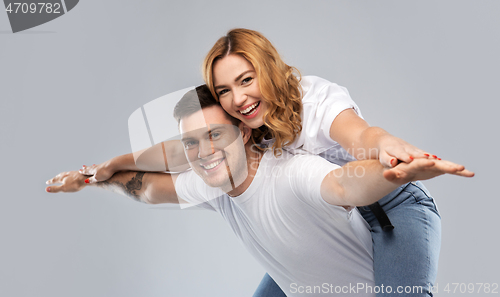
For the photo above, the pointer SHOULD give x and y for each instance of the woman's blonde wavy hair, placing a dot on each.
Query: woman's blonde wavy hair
(278, 82)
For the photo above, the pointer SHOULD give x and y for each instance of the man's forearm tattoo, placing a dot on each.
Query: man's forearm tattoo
(130, 188)
(135, 183)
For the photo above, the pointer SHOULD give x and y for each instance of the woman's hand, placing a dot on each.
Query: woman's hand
(72, 181)
(98, 172)
(393, 150)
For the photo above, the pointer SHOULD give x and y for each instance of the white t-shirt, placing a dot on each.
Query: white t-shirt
(303, 242)
(322, 102)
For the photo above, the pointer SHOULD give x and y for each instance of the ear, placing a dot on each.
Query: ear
(246, 132)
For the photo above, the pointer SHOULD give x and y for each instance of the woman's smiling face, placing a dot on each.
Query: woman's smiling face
(237, 87)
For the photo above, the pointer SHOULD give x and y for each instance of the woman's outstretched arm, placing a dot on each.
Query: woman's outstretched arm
(365, 142)
(164, 156)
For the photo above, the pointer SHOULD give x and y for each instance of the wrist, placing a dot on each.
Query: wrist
(371, 143)
(113, 165)
(384, 140)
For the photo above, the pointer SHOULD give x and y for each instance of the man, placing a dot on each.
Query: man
(295, 214)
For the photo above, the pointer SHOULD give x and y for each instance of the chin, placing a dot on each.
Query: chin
(222, 183)
(257, 123)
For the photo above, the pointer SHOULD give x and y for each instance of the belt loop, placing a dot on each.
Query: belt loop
(381, 216)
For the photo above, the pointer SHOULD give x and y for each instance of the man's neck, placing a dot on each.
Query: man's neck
(253, 156)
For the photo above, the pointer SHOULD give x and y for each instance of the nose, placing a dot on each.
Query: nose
(205, 148)
(239, 98)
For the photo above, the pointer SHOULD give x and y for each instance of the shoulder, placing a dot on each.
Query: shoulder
(298, 167)
(312, 86)
(191, 188)
(269, 160)
(313, 81)
(184, 177)
(186, 184)
(310, 163)
(304, 175)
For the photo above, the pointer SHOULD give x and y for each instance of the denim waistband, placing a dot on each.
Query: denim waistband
(401, 194)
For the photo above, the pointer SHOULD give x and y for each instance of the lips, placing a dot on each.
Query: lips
(250, 110)
(212, 165)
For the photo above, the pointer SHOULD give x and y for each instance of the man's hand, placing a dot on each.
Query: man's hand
(422, 169)
(72, 181)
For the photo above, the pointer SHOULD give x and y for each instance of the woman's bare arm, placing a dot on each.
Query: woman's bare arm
(365, 142)
(164, 156)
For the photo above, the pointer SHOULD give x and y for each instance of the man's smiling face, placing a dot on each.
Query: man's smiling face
(214, 148)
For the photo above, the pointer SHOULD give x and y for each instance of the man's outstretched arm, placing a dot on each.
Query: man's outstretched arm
(345, 186)
(146, 187)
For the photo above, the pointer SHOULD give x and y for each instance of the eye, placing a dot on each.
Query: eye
(222, 92)
(189, 144)
(215, 135)
(247, 80)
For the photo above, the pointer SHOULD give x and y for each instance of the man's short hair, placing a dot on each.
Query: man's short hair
(196, 100)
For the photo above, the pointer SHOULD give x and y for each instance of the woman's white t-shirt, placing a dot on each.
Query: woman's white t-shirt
(322, 102)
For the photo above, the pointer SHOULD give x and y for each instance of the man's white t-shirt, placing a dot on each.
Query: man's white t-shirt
(303, 242)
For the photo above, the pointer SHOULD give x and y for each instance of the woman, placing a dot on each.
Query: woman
(245, 72)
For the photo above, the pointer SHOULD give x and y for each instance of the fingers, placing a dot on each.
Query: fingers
(453, 168)
(393, 174)
(51, 181)
(404, 156)
(465, 173)
(391, 161)
(88, 170)
(422, 164)
(54, 189)
(393, 155)
(91, 180)
(443, 167)
(406, 152)
(58, 178)
(96, 171)
(405, 172)
(425, 168)
(387, 160)
(401, 153)
(418, 153)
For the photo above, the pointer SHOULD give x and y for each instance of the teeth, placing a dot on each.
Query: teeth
(244, 112)
(212, 165)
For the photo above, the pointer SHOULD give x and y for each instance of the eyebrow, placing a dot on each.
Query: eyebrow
(186, 139)
(215, 129)
(236, 79)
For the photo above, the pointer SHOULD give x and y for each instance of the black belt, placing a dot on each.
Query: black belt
(381, 216)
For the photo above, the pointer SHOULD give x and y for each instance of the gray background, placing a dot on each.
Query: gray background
(426, 71)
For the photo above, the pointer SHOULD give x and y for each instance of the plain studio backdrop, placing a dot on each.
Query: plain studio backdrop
(426, 71)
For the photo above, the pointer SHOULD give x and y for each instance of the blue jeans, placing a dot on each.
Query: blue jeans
(405, 258)
(268, 288)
